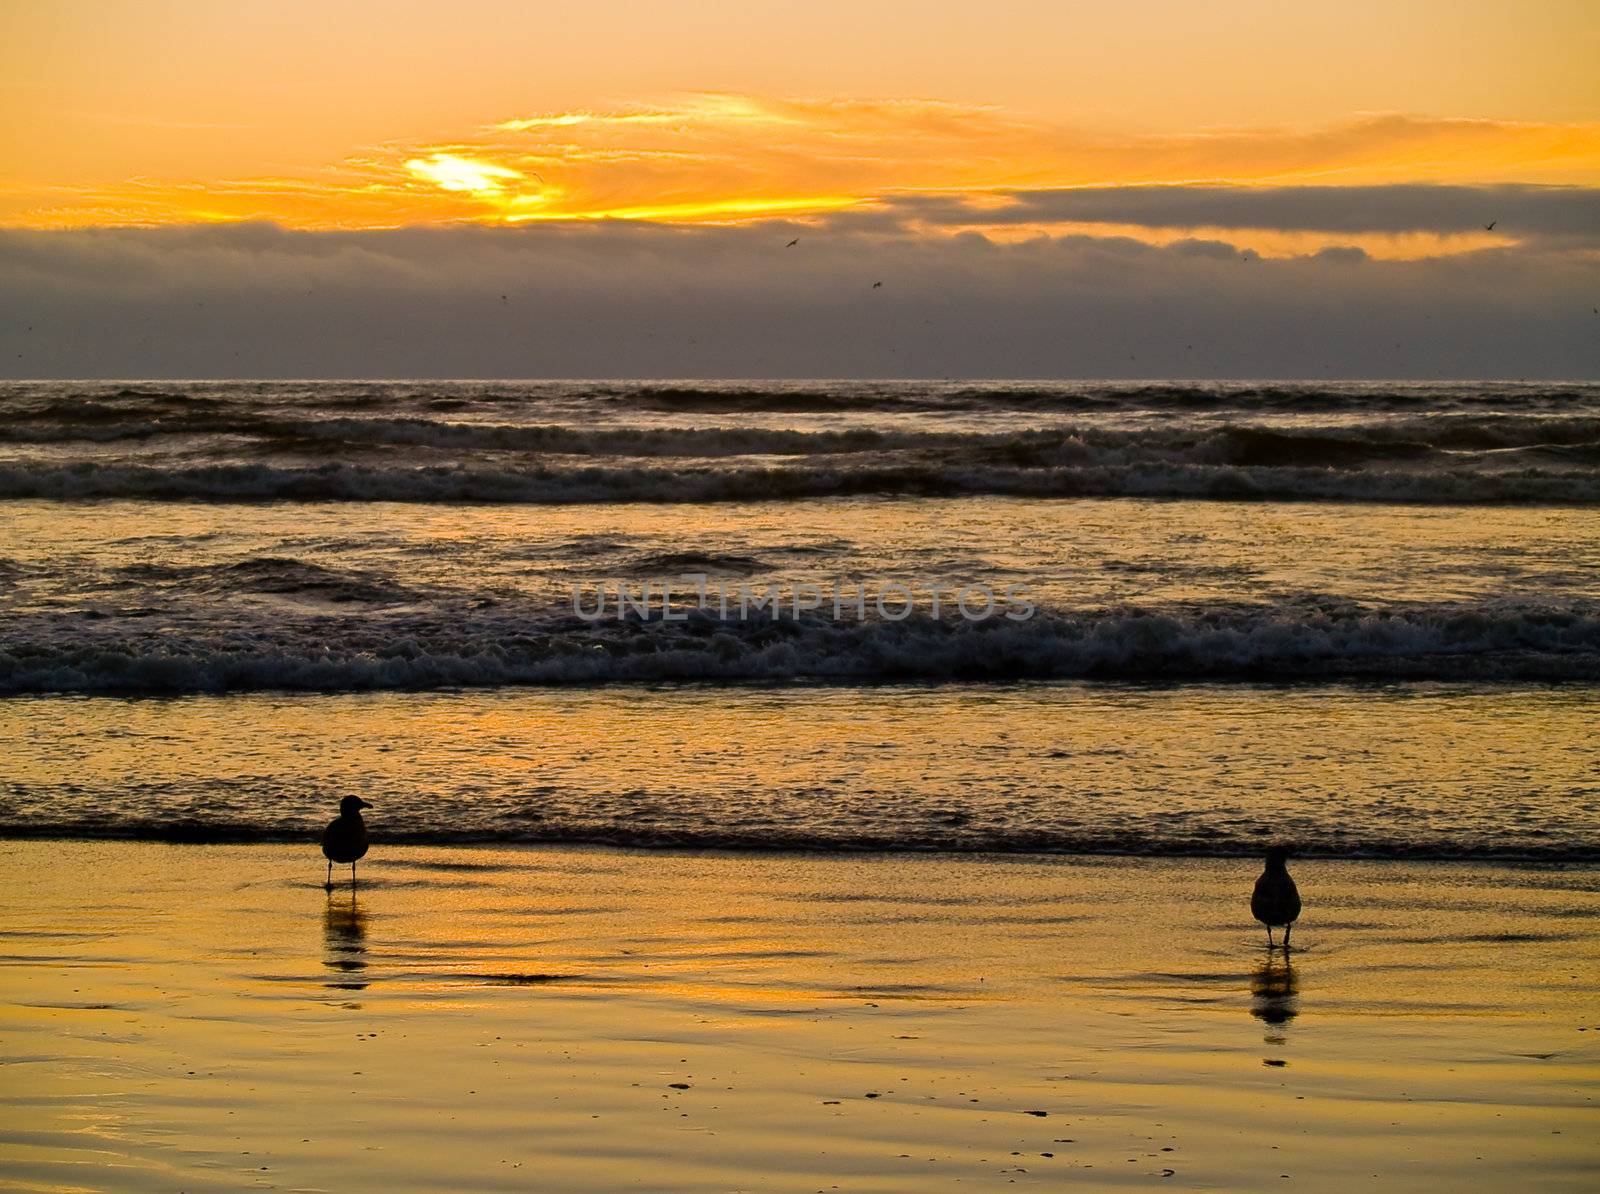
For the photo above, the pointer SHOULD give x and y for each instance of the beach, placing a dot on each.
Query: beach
(182, 1017)
(806, 868)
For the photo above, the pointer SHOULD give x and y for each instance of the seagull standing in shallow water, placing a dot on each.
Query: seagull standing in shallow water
(345, 838)
(1276, 900)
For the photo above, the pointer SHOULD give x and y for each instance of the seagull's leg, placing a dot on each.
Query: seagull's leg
(1287, 929)
(1270, 944)
(352, 876)
(329, 884)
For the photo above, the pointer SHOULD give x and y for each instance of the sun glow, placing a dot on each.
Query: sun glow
(451, 173)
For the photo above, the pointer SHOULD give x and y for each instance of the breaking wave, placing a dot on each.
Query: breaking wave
(1331, 639)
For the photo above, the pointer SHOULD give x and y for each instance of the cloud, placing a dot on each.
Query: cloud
(1516, 210)
(643, 299)
(716, 157)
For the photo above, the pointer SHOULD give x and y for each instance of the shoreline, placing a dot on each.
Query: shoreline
(1211, 771)
(307, 837)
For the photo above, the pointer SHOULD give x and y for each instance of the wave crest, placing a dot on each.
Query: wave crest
(477, 648)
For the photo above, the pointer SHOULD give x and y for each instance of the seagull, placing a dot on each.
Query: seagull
(1489, 227)
(345, 838)
(877, 286)
(1276, 900)
(792, 243)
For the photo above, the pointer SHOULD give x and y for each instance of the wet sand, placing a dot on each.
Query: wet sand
(207, 1018)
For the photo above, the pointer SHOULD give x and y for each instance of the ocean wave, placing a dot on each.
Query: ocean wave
(1286, 397)
(1552, 482)
(600, 442)
(918, 839)
(1340, 443)
(475, 647)
(676, 563)
(268, 575)
(80, 400)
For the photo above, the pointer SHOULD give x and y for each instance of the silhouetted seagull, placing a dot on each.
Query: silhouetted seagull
(1489, 227)
(877, 286)
(345, 838)
(792, 243)
(1276, 900)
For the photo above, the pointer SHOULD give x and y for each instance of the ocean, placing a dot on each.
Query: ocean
(1011, 617)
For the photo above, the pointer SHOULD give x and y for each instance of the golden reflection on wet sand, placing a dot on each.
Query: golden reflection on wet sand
(207, 1018)
(344, 933)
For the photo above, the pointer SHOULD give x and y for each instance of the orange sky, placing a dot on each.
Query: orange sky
(377, 115)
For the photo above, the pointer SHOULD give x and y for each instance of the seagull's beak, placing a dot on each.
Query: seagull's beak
(362, 803)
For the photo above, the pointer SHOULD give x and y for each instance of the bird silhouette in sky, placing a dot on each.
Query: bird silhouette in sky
(792, 243)
(877, 286)
(1489, 227)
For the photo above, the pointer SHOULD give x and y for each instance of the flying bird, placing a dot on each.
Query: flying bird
(877, 286)
(1489, 227)
(345, 838)
(792, 243)
(1276, 900)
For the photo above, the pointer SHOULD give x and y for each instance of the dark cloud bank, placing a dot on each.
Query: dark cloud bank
(1564, 216)
(632, 300)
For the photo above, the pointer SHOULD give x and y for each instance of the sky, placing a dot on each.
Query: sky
(610, 189)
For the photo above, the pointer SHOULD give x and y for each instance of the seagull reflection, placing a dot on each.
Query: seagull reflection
(1274, 994)
(344, 941)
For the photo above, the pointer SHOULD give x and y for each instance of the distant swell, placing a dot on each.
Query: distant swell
(1530, 483)
(1087, 397)
(466, 648)
(1346, 442)
(593, 442)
